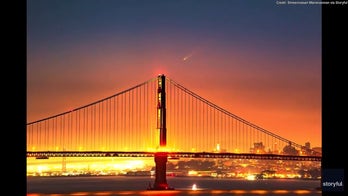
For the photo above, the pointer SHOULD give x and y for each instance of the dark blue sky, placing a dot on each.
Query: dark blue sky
(252, 23)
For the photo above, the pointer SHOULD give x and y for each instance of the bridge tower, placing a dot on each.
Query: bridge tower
(161, 157)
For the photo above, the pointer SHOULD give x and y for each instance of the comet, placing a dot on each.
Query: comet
(187, 57)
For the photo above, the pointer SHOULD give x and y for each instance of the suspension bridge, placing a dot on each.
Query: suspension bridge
(162, 119)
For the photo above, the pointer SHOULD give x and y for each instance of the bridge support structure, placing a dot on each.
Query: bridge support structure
(161, 158)
(160, 172)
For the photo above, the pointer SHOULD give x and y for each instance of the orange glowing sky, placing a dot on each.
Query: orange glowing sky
(251, 59)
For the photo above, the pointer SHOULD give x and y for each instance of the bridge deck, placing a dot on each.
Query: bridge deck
(47, 154)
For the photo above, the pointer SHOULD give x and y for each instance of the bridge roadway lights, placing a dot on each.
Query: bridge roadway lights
(160, 173)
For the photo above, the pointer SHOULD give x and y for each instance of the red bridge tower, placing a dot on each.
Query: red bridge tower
(161, 157)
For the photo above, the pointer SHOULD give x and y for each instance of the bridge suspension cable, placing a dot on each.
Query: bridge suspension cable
(123, 121)
(224, 114)
(127, 121)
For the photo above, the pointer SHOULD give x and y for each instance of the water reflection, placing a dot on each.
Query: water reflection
(189, 192)
(116, 185)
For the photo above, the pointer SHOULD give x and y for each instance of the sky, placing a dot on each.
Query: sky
(256, 59)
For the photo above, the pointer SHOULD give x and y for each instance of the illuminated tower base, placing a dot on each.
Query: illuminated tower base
(160, 173)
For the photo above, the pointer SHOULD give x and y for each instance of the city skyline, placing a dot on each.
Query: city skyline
(261, 65)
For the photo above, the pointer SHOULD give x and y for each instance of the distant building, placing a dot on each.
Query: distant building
(317, 150)
(290, 150)
(258, 148)
(306, 149)
(308, 145)
(219, 149)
